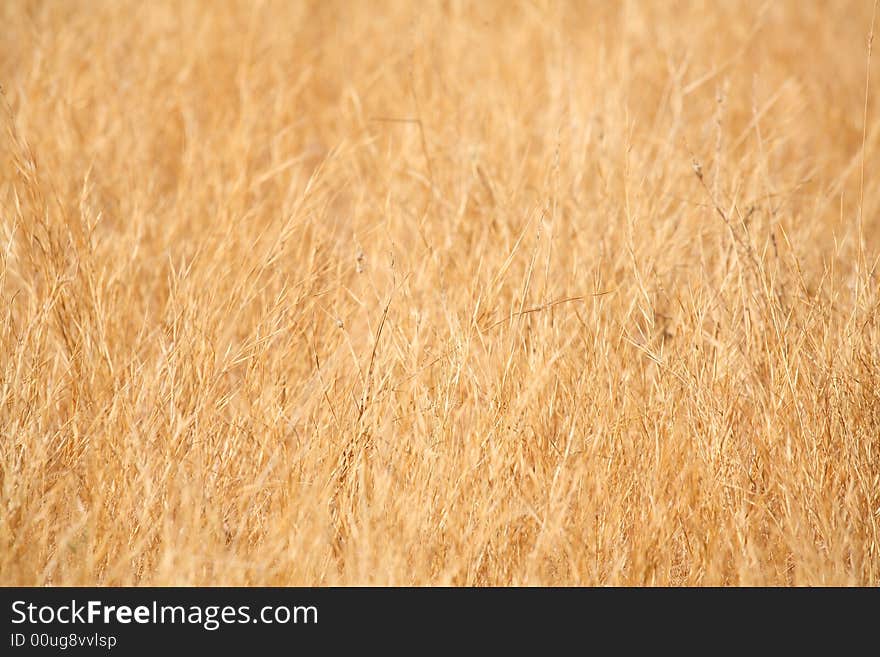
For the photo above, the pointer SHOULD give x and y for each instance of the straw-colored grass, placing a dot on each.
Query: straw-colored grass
(439, 293)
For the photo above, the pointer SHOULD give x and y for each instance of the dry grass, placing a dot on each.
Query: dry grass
(442, 293)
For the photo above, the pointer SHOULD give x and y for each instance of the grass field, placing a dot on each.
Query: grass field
(299, 293)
